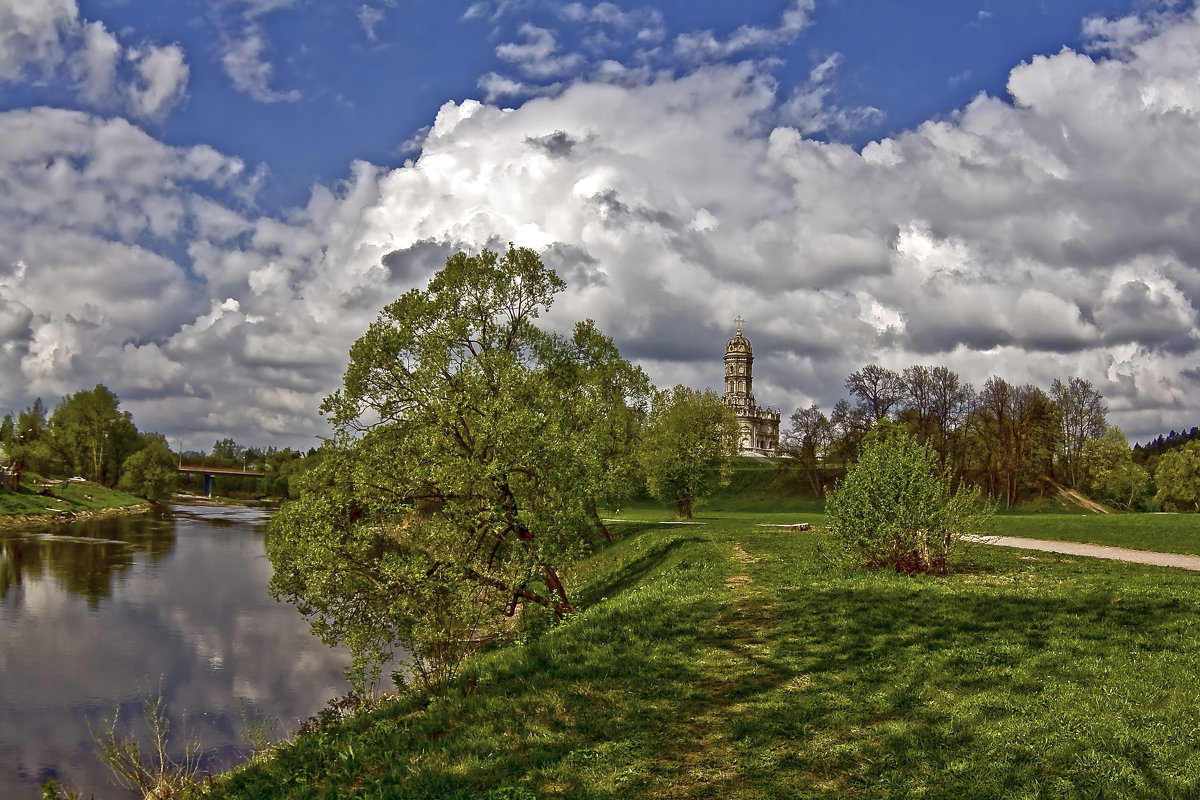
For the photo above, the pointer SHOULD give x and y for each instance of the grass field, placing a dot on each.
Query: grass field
(728, 660)
(1163, 533)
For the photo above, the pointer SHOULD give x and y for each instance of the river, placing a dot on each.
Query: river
(94, 611)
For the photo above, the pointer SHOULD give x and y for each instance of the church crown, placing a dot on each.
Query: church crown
(739, 343)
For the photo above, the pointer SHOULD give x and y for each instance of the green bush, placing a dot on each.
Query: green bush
(895, 507)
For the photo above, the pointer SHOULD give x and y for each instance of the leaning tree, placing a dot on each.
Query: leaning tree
(471, 450)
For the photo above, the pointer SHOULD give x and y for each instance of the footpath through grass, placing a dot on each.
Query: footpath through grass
(726, 660)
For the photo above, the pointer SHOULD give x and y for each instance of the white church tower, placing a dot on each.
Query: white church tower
(760, 426)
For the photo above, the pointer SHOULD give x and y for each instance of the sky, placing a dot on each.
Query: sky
(203, 203)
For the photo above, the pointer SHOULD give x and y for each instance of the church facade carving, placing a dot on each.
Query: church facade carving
(760, 425)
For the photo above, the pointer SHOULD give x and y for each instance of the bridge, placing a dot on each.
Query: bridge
(209, 472)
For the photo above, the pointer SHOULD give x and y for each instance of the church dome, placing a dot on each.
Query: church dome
(738, 344)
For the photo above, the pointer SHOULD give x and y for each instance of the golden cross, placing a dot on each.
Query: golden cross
(739, 322)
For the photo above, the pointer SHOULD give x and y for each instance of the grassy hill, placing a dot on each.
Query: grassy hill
(61, 499)
(727, 659)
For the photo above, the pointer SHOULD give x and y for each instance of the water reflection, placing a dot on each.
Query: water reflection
(91, 611)
(86, 556)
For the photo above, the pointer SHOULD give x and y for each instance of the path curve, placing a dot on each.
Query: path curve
(1094, 550)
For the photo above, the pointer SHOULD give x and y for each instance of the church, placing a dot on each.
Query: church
(760, 426)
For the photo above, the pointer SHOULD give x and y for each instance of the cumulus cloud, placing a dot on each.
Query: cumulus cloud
(162, 76)
(1049, 233)
(32, 35)
(243, 59)
(83, 295)
(39, 39)
(95, 67)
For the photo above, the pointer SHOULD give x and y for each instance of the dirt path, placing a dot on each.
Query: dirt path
(1095, 551)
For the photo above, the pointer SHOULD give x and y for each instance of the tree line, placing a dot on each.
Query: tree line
(88, 435)
(1008, 439)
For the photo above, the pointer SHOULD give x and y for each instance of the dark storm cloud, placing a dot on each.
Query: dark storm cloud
(1152, 319)
(674, 332)
(418, 261)
(559, 144)
(574, 265)
(618, 214)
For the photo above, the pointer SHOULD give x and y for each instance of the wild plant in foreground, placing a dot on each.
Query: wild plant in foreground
(149, 770)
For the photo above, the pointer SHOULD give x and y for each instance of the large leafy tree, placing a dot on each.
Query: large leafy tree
(604, 400)
(21, 440)
(1014, 431)
(151, 472)
(89, 435)
(935, 408)
(471, 449)
(689, 439)
(1177, 477)
(1111, 475)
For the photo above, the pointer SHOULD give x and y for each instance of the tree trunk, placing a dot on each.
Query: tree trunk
(562, 606)
(685, 508)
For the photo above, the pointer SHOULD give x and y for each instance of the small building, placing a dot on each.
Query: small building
(760, 426)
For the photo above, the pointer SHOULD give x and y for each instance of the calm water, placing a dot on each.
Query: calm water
(91, 612)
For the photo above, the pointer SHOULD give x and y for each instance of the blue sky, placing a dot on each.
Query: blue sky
(206, 202)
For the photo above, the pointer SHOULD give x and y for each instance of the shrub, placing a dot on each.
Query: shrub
(895, 507)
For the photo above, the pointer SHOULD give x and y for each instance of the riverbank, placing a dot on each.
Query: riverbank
(728, 659)
(59, 502)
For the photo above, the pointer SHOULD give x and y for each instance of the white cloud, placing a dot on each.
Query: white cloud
(538, 56)
(809, 108)
(496, 87)
(492, 9)
(1053, 235)
(32, 35)
(257, 8)
(162, 78)
(370, 18)
(705, 46)
(48, 35)
(96, 64)
(647, 22)
(243, 60)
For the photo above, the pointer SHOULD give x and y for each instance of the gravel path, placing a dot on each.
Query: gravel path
(1095, 551)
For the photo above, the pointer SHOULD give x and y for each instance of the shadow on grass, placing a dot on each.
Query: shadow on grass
(636, 571)
(1041, 681)
(898, 690)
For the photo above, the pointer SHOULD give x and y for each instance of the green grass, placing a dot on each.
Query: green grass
(727, 660)
(65, 498)
(1162, 533)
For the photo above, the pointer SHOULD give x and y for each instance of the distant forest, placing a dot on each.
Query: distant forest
(1161, 444)
(1015, 441)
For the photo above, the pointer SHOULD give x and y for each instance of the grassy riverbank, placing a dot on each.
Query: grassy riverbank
(63, 500)
(726, 659)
